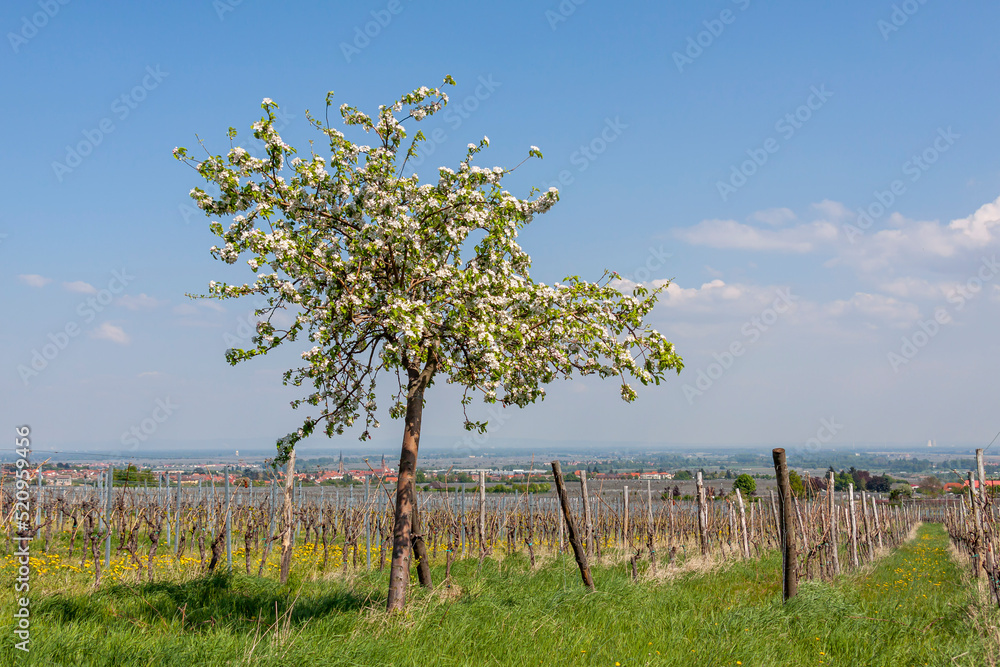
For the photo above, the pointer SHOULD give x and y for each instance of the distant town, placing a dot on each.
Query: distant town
(900, 473)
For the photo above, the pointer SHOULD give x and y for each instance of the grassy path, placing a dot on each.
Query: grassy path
(909, 610)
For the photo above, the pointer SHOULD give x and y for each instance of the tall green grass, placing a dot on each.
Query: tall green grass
(912, 608)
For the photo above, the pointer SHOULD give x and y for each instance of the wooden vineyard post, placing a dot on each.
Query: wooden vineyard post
(38, 503)
(482, 516)
(368, 524)
(702, 516)
(419, 547)
(833, 527)
(208, 514)
(229, 521)
(288, 519)
(270, 531)
(670, 527)
(876, 525)
(560, 522)
(743, 525)
(107, 513)
(166, 494)
(461, 512)
(652, 527)
(852, 518)
(864, 527)
(625, 540)
(788, 556)
(981, 469)
(774, 512)
(733, 530)
(986, 517)
(588, 521)
(574, 538)
(977, 517)
(177, 515)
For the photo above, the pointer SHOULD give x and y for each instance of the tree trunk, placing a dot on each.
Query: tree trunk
(399, 571)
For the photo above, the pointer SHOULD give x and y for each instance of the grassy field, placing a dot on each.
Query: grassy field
(914, 607)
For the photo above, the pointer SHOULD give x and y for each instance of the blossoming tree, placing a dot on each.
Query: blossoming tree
(380, 274)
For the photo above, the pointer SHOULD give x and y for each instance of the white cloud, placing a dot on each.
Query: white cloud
(977, 230)
(884, 309)
(136, 302)
(732, 235)
(899, 271)
(711, 292)
(909, 287)
(773, 216)
(894, 242)
(212, 305)
(80, 287)
(108, 331)
(833, 210)
(715, 297)
(913, 245)
(715, 308)
(34, 280)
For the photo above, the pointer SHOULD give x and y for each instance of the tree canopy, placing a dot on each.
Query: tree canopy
(378, 271)
(746, 484)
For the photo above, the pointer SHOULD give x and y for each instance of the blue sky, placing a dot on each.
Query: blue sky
(728, 146)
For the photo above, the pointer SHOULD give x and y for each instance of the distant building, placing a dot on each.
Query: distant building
(990, 483)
